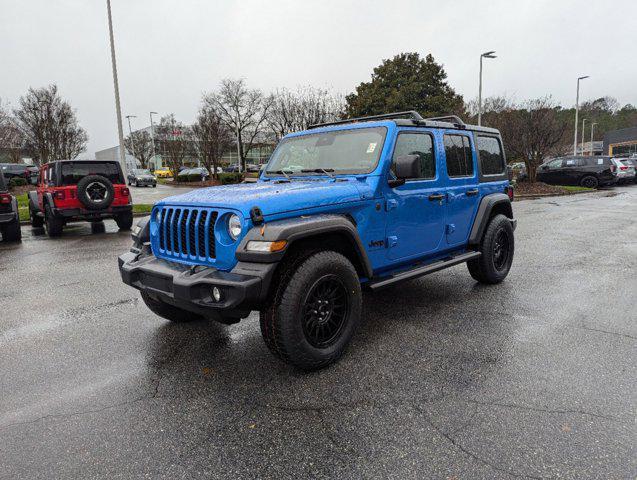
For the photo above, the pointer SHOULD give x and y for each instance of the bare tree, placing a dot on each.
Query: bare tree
(50, 126)
(140, 145)
(292, 111)
(212, 138)
(12, 140)
(532, 131)
(173, 140)
(243, 110)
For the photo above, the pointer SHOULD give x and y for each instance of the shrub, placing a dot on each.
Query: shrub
(17, 182)
(228, 178)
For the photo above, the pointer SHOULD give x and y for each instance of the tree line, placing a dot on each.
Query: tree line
(235, 117)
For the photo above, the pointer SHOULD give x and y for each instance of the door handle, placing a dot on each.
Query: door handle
(434, 197)
(470, 193)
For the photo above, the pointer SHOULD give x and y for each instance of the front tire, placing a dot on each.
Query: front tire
(54, 225)
(167, 311)
(124, 221)
(315, 311)
(497, 248)
(12, 232)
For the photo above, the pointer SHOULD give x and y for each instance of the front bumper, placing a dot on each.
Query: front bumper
(190, 287)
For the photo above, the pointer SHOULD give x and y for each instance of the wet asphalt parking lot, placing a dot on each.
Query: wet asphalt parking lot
(533, 378)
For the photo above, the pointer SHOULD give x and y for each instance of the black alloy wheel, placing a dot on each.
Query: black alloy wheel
(501, 249)
(325, 311)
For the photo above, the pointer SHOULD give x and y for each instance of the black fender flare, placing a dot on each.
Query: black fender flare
(32, 195)
(487, 204)
(298, 228)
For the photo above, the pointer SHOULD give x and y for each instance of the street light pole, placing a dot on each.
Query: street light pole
(118, 110)
(152, 135)
(130, 135)
(584, 120)
(577, 113)
(592, 130)
(484, 55)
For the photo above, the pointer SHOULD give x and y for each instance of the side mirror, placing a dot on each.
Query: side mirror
(405, 166)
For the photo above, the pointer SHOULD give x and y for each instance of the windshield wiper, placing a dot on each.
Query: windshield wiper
(280, 172)
(326, 171)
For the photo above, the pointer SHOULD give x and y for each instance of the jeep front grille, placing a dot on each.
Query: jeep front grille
(187, 232)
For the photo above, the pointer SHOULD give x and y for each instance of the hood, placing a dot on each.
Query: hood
(273, 198)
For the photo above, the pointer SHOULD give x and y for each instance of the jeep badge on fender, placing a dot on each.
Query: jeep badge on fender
(353, 204)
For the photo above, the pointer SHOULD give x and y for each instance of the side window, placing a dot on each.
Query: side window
(459, 158)
(420, 144)
(553, 164)
(490, 154)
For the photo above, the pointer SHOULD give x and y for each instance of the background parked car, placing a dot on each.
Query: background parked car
(633, 161)
(191, 174)
(141, 178)
(163, 172)
(18, 170)
(625, 170)
(9, 218)
(519, 171)
(232, 168)
(584, 171)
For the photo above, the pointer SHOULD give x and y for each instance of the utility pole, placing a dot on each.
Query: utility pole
(484, 55)
(592, 130)
(152, 135)
(576, 114)
(130, 135)
(118, 110)
(584, 120)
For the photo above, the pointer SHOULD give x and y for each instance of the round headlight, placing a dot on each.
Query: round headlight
(234, 226)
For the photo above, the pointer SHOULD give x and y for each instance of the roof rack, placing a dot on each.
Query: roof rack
(409, 115)
(455, 119)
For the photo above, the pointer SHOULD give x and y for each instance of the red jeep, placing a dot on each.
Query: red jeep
(80, 190)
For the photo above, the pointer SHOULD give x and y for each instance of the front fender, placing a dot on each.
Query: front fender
(298, 228)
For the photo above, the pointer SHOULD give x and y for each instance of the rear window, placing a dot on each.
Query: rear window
(74, 172)
(491, 157)
(459, 157)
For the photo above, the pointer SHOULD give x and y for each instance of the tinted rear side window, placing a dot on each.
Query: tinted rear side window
(491, 157)
(420, 144)
(459, 158)
(74, 172)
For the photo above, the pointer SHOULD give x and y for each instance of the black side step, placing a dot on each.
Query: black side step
(420, 271)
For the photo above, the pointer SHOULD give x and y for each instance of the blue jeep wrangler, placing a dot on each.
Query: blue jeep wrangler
(350, 205)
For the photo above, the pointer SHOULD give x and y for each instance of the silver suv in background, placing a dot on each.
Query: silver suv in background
(625, 172)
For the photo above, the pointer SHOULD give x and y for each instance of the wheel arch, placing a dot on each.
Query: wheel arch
(490, 205)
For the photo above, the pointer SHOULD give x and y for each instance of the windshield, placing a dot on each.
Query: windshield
(142, 172)
(352, 151)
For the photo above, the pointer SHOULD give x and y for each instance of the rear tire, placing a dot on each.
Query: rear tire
(167, 311)
(54, 226)
(315, 311)
(589, 181)
(12, 232)
(497, 248)
(124, 221)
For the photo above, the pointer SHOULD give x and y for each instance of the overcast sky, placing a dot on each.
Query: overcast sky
(169, 52)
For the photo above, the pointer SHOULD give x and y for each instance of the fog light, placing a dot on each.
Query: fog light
(216, 294)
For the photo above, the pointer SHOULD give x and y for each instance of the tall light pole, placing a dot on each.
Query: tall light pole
(592, 130)
(577, 113)
(484, 55)
(118, 110)
(152, 134)
(130, 135)
(584, 120)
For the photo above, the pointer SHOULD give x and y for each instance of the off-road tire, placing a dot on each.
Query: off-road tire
(589, 181)
(11, 232)
(54, 225)
(489, 268)
(36, 221)
(167, 311)
(282, 325)
(124, 221)
(91, 181)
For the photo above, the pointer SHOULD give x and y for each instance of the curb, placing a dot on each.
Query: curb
(545, 195)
